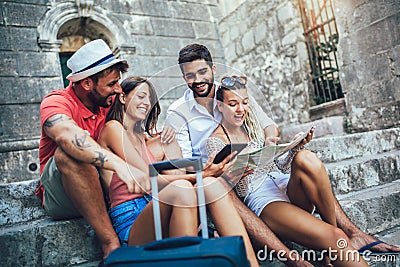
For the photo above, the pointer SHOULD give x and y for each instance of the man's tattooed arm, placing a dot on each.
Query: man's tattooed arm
(81, 142)
(100, 160)
(55, 119)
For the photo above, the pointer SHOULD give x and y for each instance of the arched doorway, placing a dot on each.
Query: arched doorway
(74, 34)
(68, 26)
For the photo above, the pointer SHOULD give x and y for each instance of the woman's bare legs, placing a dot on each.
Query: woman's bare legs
(309, 186)
(225, 216)
(293, 223)
(178, 208)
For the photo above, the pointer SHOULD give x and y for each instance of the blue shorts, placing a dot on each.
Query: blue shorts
(124, 215)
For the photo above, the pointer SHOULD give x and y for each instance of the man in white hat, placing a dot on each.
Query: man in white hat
(71, 121)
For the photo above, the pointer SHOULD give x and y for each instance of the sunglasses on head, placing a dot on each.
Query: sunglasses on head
(230, 81)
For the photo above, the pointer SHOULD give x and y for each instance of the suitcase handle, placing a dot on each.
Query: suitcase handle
(175, 242)
(157, 167)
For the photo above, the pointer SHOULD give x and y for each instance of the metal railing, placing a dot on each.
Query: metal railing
(321, 37)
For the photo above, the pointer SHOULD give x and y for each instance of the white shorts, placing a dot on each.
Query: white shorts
(273, 188)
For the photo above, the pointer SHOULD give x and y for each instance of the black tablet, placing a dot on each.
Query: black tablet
(227, 150)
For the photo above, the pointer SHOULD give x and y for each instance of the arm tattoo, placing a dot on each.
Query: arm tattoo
(81, 142)
(55, 119)
(100, 160)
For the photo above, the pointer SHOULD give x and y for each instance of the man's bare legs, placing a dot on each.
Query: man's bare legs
(82, 185)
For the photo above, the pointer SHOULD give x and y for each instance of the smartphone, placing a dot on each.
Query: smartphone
(227, 150)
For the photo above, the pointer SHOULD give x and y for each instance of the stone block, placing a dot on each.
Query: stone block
(189, 11)
(21, 14)
(5, 41)
(285, 12)
(68, 242)
(373, 39)
(149, 66)
(247, 41)
(8, 64)
(121, 6)
(1, 15)
(357, 174)
(384, 115)
(341, 147)
(155, 8)
(23, 39)
(19, 165)
(27, 90)
(46, 64)
(169, 88)
(394, 31)
(157, 46)
(375, 93)
(173, 28)
(394, 62)
(19, 204)
(260, 32)
(362, 15)
(19, 248)
(374, 209)
(137, 25)
(48, 243)
(19, 121)
(205, 30)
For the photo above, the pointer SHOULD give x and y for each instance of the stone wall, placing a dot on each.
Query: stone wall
(369, 53)
(148, 33)
(263, 39)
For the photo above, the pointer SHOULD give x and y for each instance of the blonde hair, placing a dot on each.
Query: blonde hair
(253, 127)
(250, 124)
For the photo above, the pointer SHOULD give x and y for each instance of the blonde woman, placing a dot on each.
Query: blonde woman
(283, 196)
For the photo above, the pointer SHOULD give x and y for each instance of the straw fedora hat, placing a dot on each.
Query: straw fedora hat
(90, 59)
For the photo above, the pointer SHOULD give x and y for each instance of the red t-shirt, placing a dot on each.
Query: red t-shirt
(65, 101)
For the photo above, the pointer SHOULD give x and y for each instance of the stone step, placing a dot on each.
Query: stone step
(337, 148)
(373, 209)
(48, 243)
(19, 204)
(20, 160)
(60, 243)
(364, 172)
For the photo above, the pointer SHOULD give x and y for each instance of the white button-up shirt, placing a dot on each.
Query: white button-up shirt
(194, 124)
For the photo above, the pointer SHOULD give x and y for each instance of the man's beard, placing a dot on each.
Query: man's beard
(99, 101)
(209, 85)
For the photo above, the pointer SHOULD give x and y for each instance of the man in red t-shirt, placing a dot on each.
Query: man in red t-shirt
(71, 121)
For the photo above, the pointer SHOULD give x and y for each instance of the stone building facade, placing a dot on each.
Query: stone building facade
(262, 39)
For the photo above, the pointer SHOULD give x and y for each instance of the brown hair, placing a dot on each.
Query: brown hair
(117, 110)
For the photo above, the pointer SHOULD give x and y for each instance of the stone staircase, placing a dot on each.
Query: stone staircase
(364, 169)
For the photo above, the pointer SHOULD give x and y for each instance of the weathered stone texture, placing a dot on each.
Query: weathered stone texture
(21, 165)
(19, 121)
(26, 90)
(261, 40)
(27, 15)
(369, 44)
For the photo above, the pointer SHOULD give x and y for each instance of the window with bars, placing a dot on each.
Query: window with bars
(322, 37)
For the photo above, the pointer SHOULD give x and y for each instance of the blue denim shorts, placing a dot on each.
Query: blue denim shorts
(124, 215)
